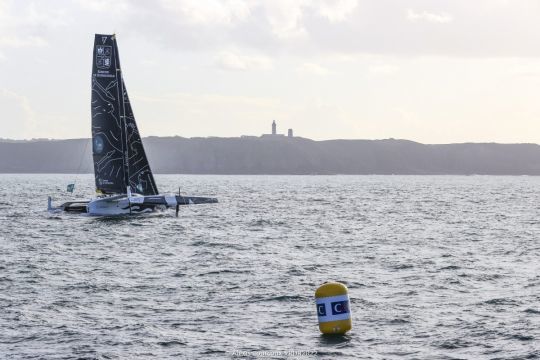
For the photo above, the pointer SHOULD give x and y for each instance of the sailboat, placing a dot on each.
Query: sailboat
(124, 181)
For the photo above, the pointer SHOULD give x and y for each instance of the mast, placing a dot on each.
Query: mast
(122, 108)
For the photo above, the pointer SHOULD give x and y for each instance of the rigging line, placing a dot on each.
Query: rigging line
(77, 174)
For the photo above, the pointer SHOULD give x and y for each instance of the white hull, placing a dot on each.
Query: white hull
(120, 205)
(131, 204)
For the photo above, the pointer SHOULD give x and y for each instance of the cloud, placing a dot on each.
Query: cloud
(311, 68)
(26, 24)
(336, 10)
(206, 99)
(441, 18)
(22, 16)
(322, 27)
(44, 17)
(527, 69)
(223, 114)
(3, 8)
(22, 41)
(19, 117)
(383, 69)
(285, 18)
(231, 61)
(209, 12)
(104, 5)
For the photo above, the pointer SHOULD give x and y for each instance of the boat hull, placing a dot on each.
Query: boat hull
(124, 205)
(118, 206)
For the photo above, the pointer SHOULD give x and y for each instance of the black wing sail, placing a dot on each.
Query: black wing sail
(107, 125)
(119, 156)
(141, 180)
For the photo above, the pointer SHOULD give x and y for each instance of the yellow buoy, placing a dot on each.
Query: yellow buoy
(333, 308)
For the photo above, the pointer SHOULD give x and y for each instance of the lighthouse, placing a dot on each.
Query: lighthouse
(274, 134)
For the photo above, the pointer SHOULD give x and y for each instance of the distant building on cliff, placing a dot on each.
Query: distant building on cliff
(274, 132)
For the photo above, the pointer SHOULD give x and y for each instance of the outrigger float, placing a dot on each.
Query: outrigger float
(124, 182)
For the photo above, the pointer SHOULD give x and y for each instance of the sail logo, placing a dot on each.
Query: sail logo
(99, 144)
(103, 56)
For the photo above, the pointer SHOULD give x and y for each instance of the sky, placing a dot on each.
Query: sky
(430, 71)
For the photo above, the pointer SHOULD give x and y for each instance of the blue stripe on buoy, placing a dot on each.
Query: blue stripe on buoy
(333, 308)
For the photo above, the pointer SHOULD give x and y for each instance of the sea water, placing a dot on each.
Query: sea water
(438, 267)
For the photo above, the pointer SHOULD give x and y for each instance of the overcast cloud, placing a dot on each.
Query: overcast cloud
(431, 71)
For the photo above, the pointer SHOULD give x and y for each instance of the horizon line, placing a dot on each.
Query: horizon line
(266, 137)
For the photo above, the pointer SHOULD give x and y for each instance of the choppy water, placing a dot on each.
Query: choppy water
(437, 267)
